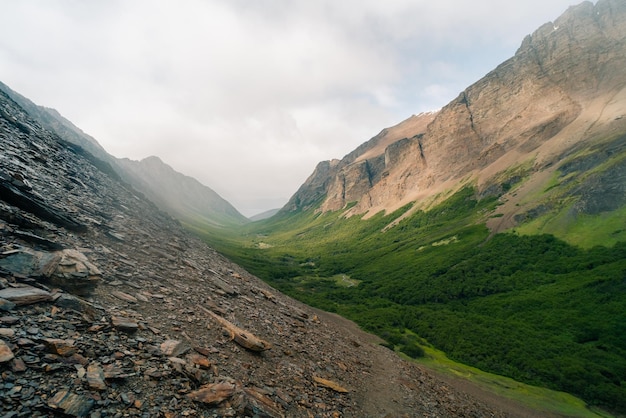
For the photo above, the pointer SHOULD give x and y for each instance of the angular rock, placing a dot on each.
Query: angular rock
(6, 305)
(71, 404)
(75, 303)
(330, 384)
(25, 295)
(199, 360)
(124, 296)
(75, 273)
(95, 377)
(240, 336)
(260, 405)
(18, 365)
(63, 348)
(214, 393)
(5, 352)
(174, 348)
(7, 332)
(111, 371)
(124, 324)
(41, 241)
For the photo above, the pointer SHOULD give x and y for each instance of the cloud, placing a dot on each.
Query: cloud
(247, 96)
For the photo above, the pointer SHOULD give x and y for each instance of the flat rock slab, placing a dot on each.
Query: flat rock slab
(25, 295)
(71, 403)
(124, 324)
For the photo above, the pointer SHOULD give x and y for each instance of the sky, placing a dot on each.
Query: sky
(247, 96)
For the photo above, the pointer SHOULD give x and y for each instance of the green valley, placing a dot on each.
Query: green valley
(530, 307)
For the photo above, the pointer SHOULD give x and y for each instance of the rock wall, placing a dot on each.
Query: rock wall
(554, 80)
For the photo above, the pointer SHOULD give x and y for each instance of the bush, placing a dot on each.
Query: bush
(413, 350)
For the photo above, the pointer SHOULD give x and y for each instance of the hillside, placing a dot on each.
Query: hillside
(182, 196)
(559, 99)
(179, 195)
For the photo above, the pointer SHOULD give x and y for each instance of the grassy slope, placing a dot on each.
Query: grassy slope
(529, 307)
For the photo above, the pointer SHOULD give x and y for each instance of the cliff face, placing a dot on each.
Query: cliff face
(562, 89)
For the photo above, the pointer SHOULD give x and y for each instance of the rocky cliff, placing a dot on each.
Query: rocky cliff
(562, 92)
(108, 308)
(181, 196)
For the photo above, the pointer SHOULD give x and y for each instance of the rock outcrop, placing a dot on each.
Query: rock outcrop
(109, 308)
(563, 90)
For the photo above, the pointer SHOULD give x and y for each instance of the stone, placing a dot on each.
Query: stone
(25, 295)
(63, 348)
(75, 303)
(71, 404)
(124, 324)
(214, 393)
(174, 348)
(330, 384)
(6, 305)
(75, 273)
(242, 337)
(5, 352)
(258, 404)
(124, 296)
(199, 360)
(9, 319)
(7, 332)
(95, 377)
(18, 365)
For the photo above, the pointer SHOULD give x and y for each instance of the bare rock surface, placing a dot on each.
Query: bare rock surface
(563, 90)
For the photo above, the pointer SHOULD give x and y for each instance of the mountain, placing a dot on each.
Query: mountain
(108, 307)
(264, 215)
(536, 116)
(181, 196)
(492, 230)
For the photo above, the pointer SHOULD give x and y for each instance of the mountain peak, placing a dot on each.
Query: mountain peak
(563, 88)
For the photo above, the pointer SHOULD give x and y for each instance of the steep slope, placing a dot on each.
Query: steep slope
(564, 91)
(181, 196)
(109, 307)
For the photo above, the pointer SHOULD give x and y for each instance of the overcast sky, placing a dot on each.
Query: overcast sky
(248, 96)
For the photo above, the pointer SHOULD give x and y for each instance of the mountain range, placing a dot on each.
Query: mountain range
(553, 112)
(179, 195)
(438, 232)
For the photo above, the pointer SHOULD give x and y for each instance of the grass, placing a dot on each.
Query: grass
(533, 308)
(533, 397)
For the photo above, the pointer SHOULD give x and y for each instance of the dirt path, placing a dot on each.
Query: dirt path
(394, 386)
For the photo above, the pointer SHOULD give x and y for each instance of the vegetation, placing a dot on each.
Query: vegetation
(530, 307)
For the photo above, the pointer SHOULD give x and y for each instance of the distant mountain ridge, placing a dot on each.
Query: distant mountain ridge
(563, 92)
(181, 196)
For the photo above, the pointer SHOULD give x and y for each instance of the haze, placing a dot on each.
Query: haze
(248, 96)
